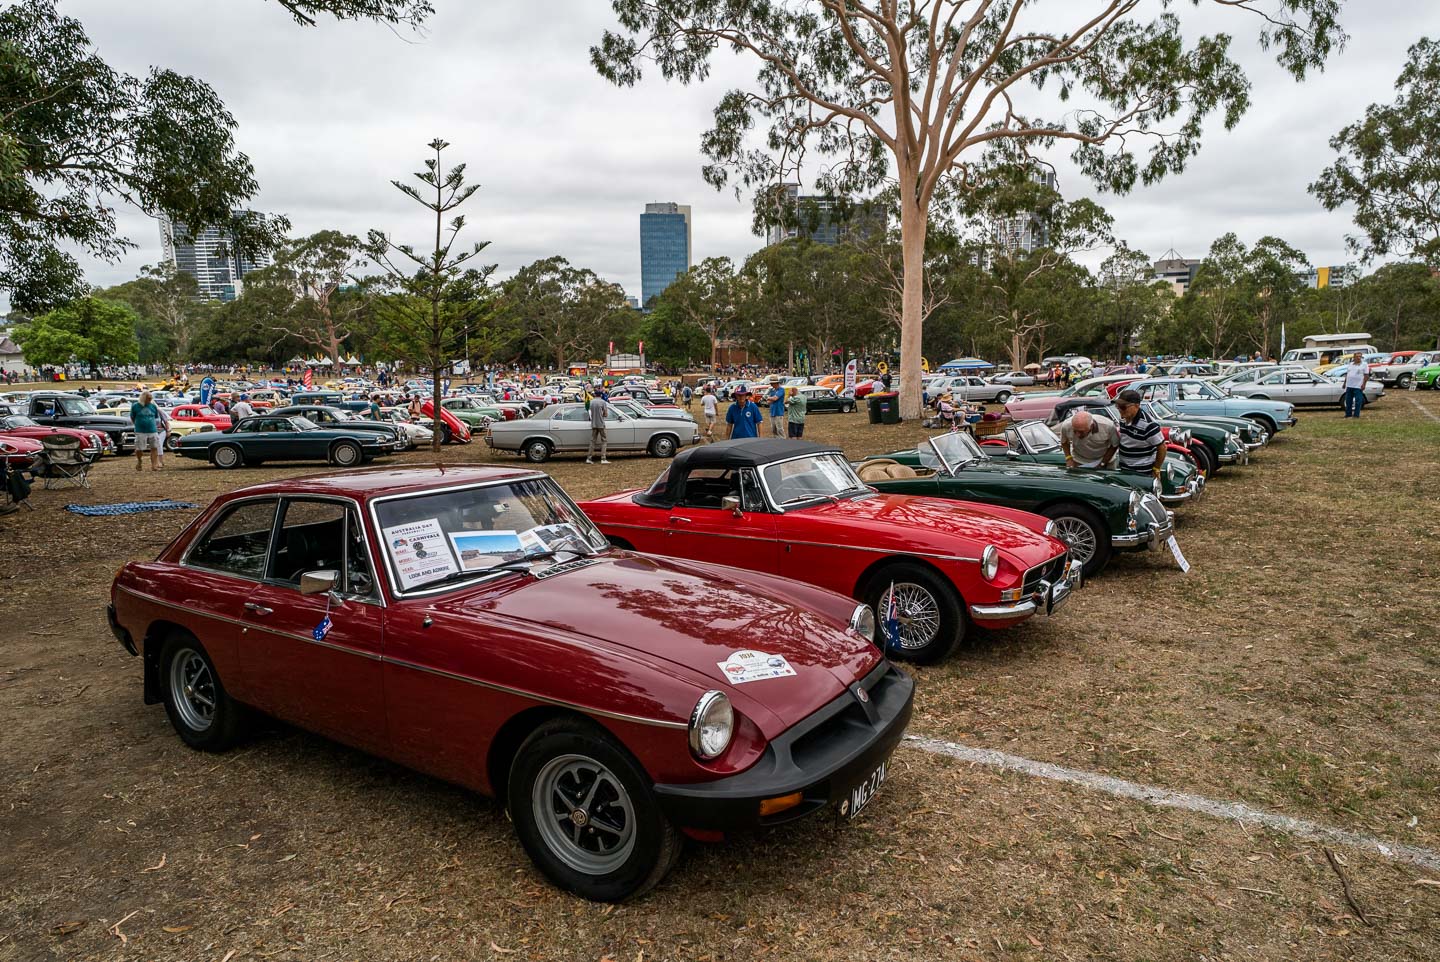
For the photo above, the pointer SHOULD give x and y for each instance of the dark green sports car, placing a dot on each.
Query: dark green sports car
(1095, 514)
(294, 438)
(1033, 442)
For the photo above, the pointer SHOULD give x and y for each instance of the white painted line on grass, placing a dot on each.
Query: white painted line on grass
(1423, 409)
(1164, 798)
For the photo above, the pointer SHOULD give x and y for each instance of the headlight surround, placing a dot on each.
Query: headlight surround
(862, 622)
(1050, 528)
(990, 562)
(1134, 503)
(1156, 488)
(712, 724)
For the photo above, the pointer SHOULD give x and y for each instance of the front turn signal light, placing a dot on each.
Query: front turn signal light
(773, 806)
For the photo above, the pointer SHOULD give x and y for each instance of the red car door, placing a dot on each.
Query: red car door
(701, 526)
(325, 679)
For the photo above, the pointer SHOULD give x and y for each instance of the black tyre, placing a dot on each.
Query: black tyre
(586, 814)
(1205, 458)
(445, 434)
(663, 446)
(172, 441)
(204, 715)
(346, 454)
(1264, 422)
(1402, 382)
(1086, 534)
(537, 451)
(847, 409)
(227, 456)
(932, 613)
(1002, 397)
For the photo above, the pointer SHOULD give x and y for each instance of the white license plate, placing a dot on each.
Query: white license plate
(862, 794)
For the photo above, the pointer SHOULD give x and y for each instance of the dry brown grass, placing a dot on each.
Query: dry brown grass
(1294, 668)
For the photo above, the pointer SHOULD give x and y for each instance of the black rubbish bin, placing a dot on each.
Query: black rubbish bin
(884, 408)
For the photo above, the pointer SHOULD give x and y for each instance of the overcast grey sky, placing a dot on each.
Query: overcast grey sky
(331, 114)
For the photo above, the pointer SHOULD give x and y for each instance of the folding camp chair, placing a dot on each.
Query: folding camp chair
(14, 488)
(62, 463)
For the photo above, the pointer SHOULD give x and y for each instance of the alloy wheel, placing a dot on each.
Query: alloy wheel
(192, 688)
(584, 814)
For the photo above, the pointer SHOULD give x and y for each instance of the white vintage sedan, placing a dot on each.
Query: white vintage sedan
(565, 429)
(1301, 386)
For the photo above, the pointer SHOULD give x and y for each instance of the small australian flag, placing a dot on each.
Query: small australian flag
(322, 629)
(891, 623)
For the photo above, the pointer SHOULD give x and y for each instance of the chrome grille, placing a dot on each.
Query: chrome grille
(1050, 571)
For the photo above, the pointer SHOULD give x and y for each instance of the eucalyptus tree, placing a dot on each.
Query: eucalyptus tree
(1388, 167)
(912, 90)
(705, 296)
(563, 311)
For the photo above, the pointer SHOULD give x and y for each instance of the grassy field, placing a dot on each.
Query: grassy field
(1294, 668)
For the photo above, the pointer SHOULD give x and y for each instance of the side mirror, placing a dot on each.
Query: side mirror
(732, 504)
(318, 582)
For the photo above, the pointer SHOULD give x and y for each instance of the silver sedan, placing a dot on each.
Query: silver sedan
(565, 428)
(1301, 387)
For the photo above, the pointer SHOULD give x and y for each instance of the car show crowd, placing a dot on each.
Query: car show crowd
(996, 518)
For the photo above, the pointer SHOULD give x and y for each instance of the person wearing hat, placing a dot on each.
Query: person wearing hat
(241, 409)
(1142, 444)
(744, 416)
(777, 407)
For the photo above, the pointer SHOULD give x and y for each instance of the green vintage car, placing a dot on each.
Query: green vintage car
(473, 411)
(825, 400)
(1094, 513)
(269, 438)
(1213, 446)
(1427, 377)
(1033, 442)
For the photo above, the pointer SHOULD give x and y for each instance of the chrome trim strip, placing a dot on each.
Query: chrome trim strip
(619, 716)
(804, 544)
(401, 663)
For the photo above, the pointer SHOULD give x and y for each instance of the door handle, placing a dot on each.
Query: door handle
(258, 610)
(674, 519)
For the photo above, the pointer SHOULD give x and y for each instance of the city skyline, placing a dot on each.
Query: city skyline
(602, 152)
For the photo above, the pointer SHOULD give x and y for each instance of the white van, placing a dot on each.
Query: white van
(1313, 357)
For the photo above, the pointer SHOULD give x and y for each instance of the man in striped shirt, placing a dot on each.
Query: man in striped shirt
(1142, 444)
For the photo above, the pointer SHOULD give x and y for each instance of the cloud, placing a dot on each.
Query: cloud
(567, 162)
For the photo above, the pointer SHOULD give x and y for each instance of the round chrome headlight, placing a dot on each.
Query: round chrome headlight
(862, 622)
(1051, 528)
(711, 725)
(990, 562)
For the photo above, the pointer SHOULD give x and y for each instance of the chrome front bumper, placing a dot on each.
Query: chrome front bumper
(1148, 538)
(1046, 600)
(1191, 492)
(1241, 457)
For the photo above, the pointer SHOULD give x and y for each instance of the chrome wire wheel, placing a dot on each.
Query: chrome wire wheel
(584, 814)
(1078, 535)
(918, 614)
(192, 689)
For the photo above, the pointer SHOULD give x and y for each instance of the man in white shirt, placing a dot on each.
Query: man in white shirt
(1357, 372)
(711, 405)
(1088, 441)
(241, 409)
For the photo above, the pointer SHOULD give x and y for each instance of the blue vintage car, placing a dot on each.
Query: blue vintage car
(1189, 396)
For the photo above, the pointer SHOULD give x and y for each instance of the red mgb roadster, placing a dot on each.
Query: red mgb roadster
(798, 509)
(472, 623)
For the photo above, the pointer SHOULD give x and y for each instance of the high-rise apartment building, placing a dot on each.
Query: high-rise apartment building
(1024, 233)
(1177, 271)
(824, 220)
(664, 247)
(210, 256)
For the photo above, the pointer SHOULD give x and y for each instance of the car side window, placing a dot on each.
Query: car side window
(359, 575)
(708, 487)
(311, 538)
(239, 542)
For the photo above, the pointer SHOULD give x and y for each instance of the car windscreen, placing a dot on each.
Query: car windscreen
(75, 406)
(303, 424)
(458, 535)
(816, 478)
(950, 452)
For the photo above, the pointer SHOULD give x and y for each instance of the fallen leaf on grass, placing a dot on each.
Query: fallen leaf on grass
(157, 866)
(496, 948)
(65, 928)
(1427, 881)
(177, 929)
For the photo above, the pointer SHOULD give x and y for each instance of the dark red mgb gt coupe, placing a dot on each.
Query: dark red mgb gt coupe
(798, 509)
(474, 624)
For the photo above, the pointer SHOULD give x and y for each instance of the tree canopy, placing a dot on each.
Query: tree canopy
(88, 329)
(1389, 169)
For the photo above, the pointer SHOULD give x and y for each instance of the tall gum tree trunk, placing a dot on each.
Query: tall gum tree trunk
(913, 225)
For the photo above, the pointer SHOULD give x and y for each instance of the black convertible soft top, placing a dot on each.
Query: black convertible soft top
(746, 453)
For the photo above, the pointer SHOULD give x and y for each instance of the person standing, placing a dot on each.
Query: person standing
(1357, 372)
(777, 408)
(598, 408)
(146, 418)
(163, 424)
(1142, 444)
(744, 416)
(1088, 441)
(710, 407)
(796, 406)
(688, 394)
(375, 413)
(242, 409)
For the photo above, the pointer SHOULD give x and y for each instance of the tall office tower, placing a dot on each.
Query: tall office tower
(209, 255)
(664, 247)
(824, 220)
(1023, 233)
